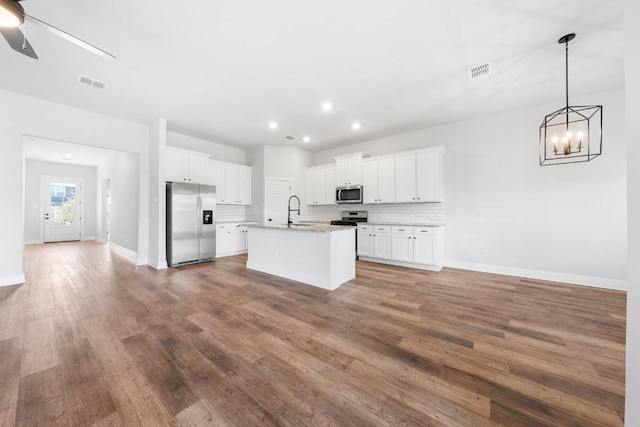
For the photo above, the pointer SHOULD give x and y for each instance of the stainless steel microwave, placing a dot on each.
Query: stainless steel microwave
(349, 194)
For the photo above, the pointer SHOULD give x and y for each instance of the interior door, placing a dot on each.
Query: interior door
(62, 203)
(278, 191)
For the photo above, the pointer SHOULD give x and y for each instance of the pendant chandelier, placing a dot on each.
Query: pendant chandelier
(571, 134)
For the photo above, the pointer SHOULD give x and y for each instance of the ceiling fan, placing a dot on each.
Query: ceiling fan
(12, 15)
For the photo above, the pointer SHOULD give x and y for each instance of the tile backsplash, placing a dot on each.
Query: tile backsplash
(406, 213)
(228, 213)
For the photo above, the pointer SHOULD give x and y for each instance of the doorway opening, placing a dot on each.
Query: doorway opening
(62, 209)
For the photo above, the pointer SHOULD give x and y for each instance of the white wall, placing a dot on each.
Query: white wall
(568, 220)
(23, 115)
(217, 151)
(632, 64)
(122, 169)
(35, 170)
(157, 194)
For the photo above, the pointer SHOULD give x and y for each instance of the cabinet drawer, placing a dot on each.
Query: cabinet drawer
(426, 230)
(399, 229)
(365, 227)
(381, 228)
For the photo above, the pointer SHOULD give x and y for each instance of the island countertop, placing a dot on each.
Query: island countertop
(314, 227)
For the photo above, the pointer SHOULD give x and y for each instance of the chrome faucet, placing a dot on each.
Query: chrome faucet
(289, 222)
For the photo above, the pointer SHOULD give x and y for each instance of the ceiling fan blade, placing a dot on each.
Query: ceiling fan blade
(16, 40)
(68, 37)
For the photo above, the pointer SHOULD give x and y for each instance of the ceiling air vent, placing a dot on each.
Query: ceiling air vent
(94, 83)
(479, 71)
(290, 138)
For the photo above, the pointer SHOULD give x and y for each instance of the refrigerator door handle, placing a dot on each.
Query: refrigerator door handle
(198, 215)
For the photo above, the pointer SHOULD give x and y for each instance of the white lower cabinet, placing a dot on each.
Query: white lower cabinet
(411, 246)
(231, 239)
(374, 241)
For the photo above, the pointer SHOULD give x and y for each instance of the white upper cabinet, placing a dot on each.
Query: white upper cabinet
(378, 180)
(233, 182)
(349, 169)
(237, 185)
(405, 181)
(244, 185)
(184, 167)
(429, 174)
(321, 185)
(419, 177)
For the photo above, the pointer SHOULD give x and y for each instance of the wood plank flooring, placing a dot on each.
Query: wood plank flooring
(91, 339)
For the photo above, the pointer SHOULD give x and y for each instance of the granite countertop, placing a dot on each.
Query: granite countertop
(315, 227)
(432, 224)
(236, 222)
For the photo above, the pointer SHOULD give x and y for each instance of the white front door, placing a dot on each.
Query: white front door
(278, 191)
(62, 202)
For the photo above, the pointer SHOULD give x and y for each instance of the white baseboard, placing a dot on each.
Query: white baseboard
(162, 265)
(88, 238)
(12, 280)
(597, 282)
(33, 242)
(122, 251)
(142, 261)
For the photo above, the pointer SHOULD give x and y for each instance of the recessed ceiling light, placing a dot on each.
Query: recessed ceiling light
(356, 126)
(67, 156)
(327, 106)
(273, 125)
(306, 139)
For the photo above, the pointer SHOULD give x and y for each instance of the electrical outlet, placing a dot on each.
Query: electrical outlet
(485, 252)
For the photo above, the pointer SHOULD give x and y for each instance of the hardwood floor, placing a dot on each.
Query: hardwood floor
(91, 339)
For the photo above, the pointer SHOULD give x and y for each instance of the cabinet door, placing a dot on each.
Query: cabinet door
(342, 172)
(370, 181)
(386, 180)
(424, 248)
(311, 187)
(177, 165)
(197, 169)
(382, 245)
(230, 185)
(402, 247)
(223, 239)
(365, 243)
(237, 239)
(244, 186)
(320, 187)
(355, 170)
(405, 178)
(330, 187)
(215, 176)
(429, 177)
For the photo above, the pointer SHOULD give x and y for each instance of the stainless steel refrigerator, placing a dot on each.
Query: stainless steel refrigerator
(191, 230)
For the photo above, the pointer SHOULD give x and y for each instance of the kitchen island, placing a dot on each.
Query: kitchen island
(321, 255)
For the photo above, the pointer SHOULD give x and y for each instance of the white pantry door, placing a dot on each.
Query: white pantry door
(276, 199)
(62, 202)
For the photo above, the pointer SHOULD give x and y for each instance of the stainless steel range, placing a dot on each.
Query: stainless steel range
(352, 218)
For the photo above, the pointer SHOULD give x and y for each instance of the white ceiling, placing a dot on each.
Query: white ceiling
(222, 69)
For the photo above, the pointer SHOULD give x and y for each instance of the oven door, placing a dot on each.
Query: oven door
(349, 194)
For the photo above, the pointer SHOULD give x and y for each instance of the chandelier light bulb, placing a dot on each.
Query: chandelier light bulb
(579, 135)
(555, 140)
(10, 14)
(569, 134)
